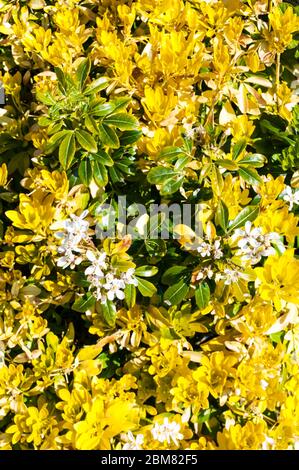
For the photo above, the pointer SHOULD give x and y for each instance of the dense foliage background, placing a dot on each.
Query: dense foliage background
(142, 343)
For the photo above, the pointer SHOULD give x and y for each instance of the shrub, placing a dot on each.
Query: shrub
(123, 326)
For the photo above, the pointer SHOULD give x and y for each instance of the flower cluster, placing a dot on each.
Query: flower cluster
(104, 282)
(128, 341)
(253, 244)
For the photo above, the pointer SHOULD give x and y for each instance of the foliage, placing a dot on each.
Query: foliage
(143, 343)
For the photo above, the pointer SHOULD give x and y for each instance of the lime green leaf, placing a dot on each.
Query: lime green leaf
(91, 125)
(108, 136)
(130, 295)
(227, 164)
(171, 185)
(171, 153)
(102, 109)
(83, 72)
(248, 213)
(160, 174)
(238, 148)
(202, 295)
(61, 79)
(123, 121)
(102, 157)
(256, 160)
(176, 293)
(120, 104)
(146, 271)
(221, 217)
(181, 162)
(97, 85)
(100, 174)
(44, 121)
(84, 303)
(56, 139)
(46, 97)
(109, 312)
(250, 175)
(85, 171)
(146, 288)
(67, 151)
(86, 141)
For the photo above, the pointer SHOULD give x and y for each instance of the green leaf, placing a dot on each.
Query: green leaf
(227, 164)
(129, 137)
(173, 274)
(146, 288)
(100, 174)
(44, 121)
(202, 295)
(221, 217)
(85, 171)
(250, 175)
(84, 303)
(102, 109)
(160, 174)
(171, 185)
(108, 136)
(257, 160)
(83, 72)
(91, 125)
(176, 293)
(103, 158)
(146, 271)
(123, 121)
(181, 162)
(156, 248)
(120, 104)
(61, 79)
(96, 85)
(171, 153)
(280, 135)
(46, 98)
(238, 148)
(130, 295)
(86, 141)
(56, 139)
(67, 151)
(109, 312)
(277, 337)
(248, 213)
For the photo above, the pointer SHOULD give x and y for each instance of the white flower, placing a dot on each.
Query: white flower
(167, 431)
(290, 197)
(69, 259)
(253, 244)
(133, 442)
(204, 249)
(76, 227)
(129, 278)
(75, 230)
(231, 276)
(114, 287)
(205, 272)
(98, 263)
(217, 252)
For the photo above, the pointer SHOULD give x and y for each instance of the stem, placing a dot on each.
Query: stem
(277, 75)
(277, 70)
